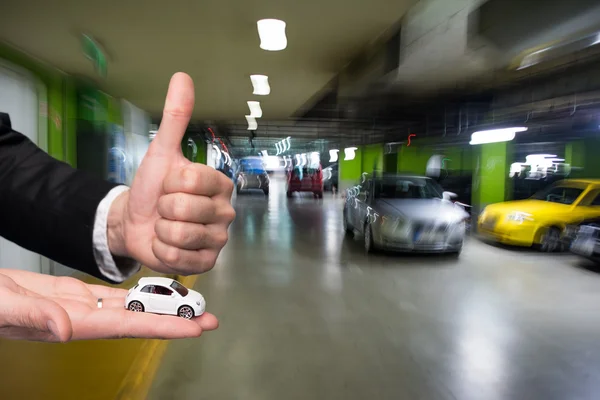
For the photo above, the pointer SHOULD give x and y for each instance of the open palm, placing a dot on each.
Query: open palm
(48, 308)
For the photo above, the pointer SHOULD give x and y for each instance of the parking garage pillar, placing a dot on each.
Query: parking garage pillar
(491, 183)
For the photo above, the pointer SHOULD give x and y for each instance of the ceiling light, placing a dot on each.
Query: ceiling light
(260, 83)
(495, 135)
(272, 34)
(349, 153)
(255, 110)
(252, 124)
(333, 155)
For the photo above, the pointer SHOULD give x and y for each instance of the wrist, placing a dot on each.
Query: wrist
(115, 225)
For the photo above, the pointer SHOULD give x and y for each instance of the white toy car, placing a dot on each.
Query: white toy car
(164, 296)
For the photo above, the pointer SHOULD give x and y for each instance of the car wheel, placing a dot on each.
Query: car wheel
(289, 194)
(347, 227)
(266, 192)
(368, 236)
(136, 306)
(320, 195)
(457, 252)
(185, 312)
(550, 240)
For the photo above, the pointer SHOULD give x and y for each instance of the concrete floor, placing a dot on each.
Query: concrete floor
(305, 314)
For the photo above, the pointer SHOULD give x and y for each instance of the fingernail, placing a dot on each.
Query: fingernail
(53, 328)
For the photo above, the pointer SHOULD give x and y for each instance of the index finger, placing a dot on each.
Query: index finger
(198, 179)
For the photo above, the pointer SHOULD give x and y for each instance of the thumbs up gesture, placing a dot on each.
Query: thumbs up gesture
(176, 215)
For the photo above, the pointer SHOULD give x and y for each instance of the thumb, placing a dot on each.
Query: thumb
(177, 112)
(35, 318)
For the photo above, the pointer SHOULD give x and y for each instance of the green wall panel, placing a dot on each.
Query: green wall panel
(54, 81)
(372, 158)
(70, 123)
(56, 139)
(413, 159)
(591, 167)
(350, 170)
(491, 183)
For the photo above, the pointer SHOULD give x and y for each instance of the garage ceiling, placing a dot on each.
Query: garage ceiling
(216, 42)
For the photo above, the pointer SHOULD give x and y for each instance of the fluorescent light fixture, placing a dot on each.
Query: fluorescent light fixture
(289, 144)
(252, 124)
(260, 83)
(272, 34)
(255, 110)
(495, 135)
(333, 155)
(350, 153)
(278, 147)
(265, 153)
(153, 132)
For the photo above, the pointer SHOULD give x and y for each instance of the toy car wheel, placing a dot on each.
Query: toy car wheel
(136, 306)
(185, 312)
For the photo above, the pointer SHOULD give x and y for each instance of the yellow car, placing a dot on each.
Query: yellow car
(541, 220)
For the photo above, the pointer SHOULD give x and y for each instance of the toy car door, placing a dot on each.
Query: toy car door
(162, 300)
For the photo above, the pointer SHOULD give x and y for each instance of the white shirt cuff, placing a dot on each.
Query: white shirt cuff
(106, 263)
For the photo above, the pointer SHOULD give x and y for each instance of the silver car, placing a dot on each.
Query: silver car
(405, 213)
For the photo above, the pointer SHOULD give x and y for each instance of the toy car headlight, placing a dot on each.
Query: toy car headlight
(519, 217)
(198, 302)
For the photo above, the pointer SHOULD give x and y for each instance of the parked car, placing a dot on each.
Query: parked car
(587, 242)
(461, 185)
(252, 174)
(330, 178)
(541, 220)
(405, 213)
(305, 179)
(160, 295)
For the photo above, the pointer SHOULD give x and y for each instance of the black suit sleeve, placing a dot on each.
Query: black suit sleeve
(46, 206)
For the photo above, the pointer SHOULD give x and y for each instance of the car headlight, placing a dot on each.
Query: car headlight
(391, 224)
(519, 217)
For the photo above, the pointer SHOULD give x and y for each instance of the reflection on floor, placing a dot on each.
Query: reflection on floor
(305, 314)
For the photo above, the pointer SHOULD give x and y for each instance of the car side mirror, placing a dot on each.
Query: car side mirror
(449, 195)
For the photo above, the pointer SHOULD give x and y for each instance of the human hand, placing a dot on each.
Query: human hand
(59, 309)
(176, 215)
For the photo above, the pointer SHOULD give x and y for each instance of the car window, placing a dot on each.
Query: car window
(163, 290)
(559, 194)
(148, 289)
(179, 288)
(407, 188)
(596, 201)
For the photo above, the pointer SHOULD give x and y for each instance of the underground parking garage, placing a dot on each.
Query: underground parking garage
(416, 187)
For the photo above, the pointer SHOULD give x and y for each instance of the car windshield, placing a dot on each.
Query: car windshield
(179, 288)
(407, 188)
(559, 194)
